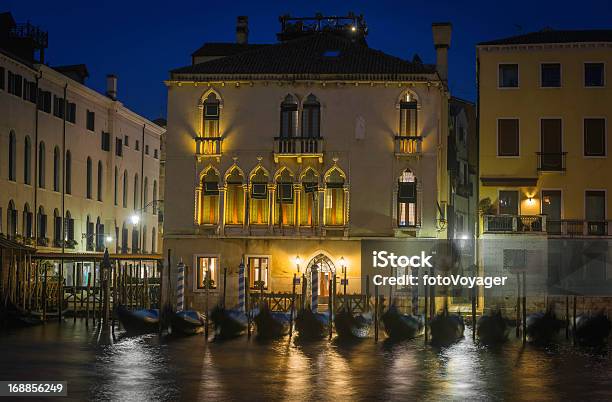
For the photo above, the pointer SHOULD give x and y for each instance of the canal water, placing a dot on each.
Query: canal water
(150, 368)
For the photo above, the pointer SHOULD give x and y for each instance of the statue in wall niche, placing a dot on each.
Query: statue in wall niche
(360, 128)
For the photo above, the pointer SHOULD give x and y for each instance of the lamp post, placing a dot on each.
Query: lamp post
(344, 281)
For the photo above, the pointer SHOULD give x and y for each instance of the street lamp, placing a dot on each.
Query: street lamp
(135, 219)
(109, 239)
(297, 261)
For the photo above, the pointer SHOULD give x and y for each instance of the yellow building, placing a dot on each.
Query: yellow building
(544, 113)
(305, 147)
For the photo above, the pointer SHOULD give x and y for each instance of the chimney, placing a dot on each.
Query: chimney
(242, 30)
(111, 86)
(442, 38)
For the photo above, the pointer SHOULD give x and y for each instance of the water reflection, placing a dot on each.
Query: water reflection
(97, 366)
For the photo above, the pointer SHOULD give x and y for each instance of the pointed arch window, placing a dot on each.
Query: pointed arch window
(41, 165)
(89, 177)
(407, 200)
(335, 199)
(285, 205)
(153, 240)
(99, 235)
(211, 114)
(235, 198)
(154, 197)
(56, 169)
(68, 172)
(125, 189)
(90, 235)
(308, 199)
(116, 189)
(12, 157)
(311, 117)
(41, 226)
(100, 180)
(408, 116)
(69, 230)
(259, 208)
(57, 229)
(209, 199)
(27, 161)
(289, 117)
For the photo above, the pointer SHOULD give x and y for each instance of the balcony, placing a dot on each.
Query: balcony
(551, 161)
(298, 147)
(208, 147)
(408, 146)
(577, 228)
(514, 223)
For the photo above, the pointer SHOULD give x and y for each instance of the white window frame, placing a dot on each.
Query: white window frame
(518, 75)
(584, 63)
(560, 74)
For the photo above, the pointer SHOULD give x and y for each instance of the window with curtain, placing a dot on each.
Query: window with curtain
(258, 272)
(308, 199)
(56, 169)
(408, 117)
(12, 157)
(334, 199)
(259, 204)
(41, 165)
(210, 119)
(407, 200)
(27, 161)
(68, 172)
(285, 206)
(208, 269)
(89, 177)
(289, 117)
(209, 198)
(311, 117)
(234, 202)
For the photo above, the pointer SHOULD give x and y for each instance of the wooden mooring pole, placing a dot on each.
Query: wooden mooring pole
(524, 307)
(330, 308)
(567, 320)
(518, 304)
(291, 315)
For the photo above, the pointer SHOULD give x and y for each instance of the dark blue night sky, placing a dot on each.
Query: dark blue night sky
(141, 41)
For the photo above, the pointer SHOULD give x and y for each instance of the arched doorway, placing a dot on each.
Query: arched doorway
(326, 268)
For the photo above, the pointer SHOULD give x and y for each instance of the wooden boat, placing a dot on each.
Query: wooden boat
(492, 328)
(349, 326)
(543, 327)
(16, 316)
(311, 325)
(139, 321)
(187, 322)
(271, 324)
(228, 323)
(446, 328)
(400, 326)
(592, 330)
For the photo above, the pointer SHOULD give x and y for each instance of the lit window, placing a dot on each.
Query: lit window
(259, 205)
(407, 200)
(211, 117)
(334, 199)
(209, 200)
(208, 268)
(258, 272)
(234, 201)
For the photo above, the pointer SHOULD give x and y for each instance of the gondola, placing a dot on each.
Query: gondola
(228, 323)
(16, 316)
(543, 327)
(446, 328)
(592, 330)
(139, 321)
(349, 326)
(271, 324)
(187, 322)
(492, 328)
(311, 325)
(400, 326)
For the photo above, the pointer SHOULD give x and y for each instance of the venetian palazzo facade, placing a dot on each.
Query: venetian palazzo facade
(544, 115)
(69, 151)
(291, 154)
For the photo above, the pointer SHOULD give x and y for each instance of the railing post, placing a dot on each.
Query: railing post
(543, 223)
(515, 223)
(486, 222)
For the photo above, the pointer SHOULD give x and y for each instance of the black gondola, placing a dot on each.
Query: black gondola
(446, 328)
(271, 324)
(492, 328)
(229, 323)
(543, 327)
(311, 325)
(400, 326)
(187, 322)
(592, 330)
(349, 326)
(140, 321)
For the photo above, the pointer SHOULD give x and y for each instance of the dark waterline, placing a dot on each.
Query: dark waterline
(147, 368)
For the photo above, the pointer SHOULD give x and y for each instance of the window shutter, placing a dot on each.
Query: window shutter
(406, 192)
(259, 191)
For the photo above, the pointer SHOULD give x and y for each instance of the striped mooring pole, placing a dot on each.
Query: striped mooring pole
(180, 286)
(314, 300)
(241, 292)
